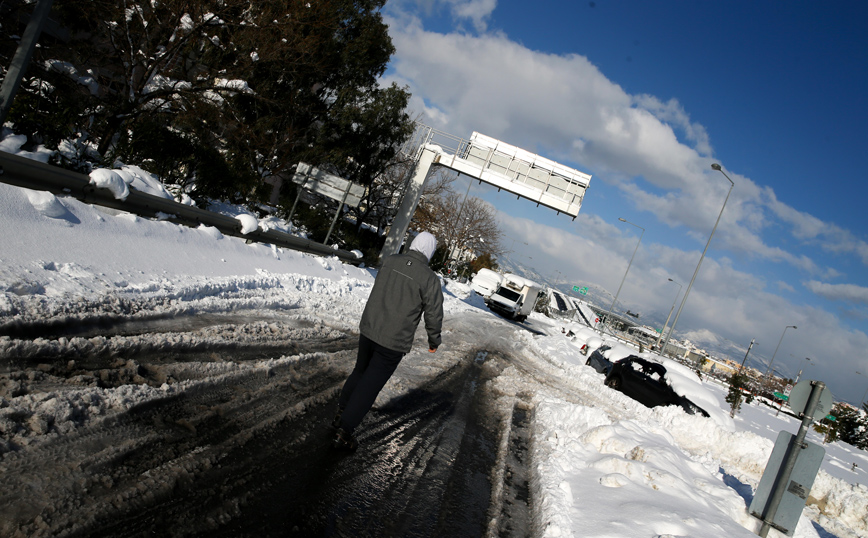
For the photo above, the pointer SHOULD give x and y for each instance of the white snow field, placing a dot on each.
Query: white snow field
(602, 465)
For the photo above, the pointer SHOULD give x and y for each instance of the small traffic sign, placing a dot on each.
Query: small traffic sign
(799, 398)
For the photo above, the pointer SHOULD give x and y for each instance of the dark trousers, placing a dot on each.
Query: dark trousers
(375, 364)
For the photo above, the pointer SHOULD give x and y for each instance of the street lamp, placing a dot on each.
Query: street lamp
(862, 401)
(628, 266)
(799, 376)
(776, 350)
(752, 341)
(657, 345)
(735, 381)
(717, 167)
(510, 251)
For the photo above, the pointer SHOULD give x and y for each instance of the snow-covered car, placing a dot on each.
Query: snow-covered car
(646, 382)
(485, 282)
(598, 360)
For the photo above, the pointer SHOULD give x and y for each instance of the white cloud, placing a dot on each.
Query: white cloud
(839, 292)
(478, 11)
(671, 112)
(828, 236)
(658, 158)
(783, 286)
(563, 107)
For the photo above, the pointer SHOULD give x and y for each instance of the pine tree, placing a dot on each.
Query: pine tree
(852, 426)
(221, 92)
(737, 383)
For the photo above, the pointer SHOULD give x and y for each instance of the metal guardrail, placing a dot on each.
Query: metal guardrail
(30, 174)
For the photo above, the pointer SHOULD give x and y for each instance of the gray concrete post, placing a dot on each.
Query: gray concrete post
(408, 204)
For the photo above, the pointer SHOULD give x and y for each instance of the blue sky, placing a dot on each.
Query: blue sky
(645, 96)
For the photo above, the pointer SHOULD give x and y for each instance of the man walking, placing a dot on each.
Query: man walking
(404, 289)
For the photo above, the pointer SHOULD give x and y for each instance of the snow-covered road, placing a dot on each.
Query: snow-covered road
(198, 431)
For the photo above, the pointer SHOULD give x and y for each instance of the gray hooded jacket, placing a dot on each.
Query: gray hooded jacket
(404, 289)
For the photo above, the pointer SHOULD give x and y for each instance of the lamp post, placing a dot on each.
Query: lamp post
(799, 376)
(752, 340)
(862, 401)
(657, 345)
(558, 280)
(510, 251)
(735, 382)
(717, 167)
(628, 266)
(769, 371)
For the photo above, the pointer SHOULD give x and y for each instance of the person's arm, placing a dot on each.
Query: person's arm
(433, 309)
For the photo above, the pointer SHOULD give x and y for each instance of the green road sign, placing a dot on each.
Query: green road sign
(831, 417)
(583, 290)
(781, 396)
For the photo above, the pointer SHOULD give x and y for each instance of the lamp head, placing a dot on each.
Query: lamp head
(715, 166)
(622, 220)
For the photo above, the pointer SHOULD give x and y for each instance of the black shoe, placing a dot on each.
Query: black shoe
(345, 441)
(336, 423)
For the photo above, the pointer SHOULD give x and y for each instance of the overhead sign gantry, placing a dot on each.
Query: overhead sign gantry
(491, 161)
(520, 172)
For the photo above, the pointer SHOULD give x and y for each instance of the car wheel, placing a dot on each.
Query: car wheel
(614, 382)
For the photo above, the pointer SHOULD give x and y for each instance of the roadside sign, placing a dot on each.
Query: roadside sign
(798, 486)
(583, 290)
(334, 187)
(833, 418)
(799, 399)
(781, 396)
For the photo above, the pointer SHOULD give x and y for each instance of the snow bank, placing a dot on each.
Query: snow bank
(595, 469)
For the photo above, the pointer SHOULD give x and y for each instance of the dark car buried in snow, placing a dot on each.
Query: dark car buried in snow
(599, 362)
(646, 382)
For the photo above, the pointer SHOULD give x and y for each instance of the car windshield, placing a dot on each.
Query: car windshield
(507, 293)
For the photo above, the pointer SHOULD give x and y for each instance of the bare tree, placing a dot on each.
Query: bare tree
(382, 197)
(465, 225)
(430, 214)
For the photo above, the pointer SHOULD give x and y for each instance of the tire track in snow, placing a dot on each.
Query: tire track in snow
(147, 456)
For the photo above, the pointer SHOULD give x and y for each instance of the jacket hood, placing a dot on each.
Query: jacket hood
(425, 243)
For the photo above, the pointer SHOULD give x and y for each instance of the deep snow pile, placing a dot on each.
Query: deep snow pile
(603, 465)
